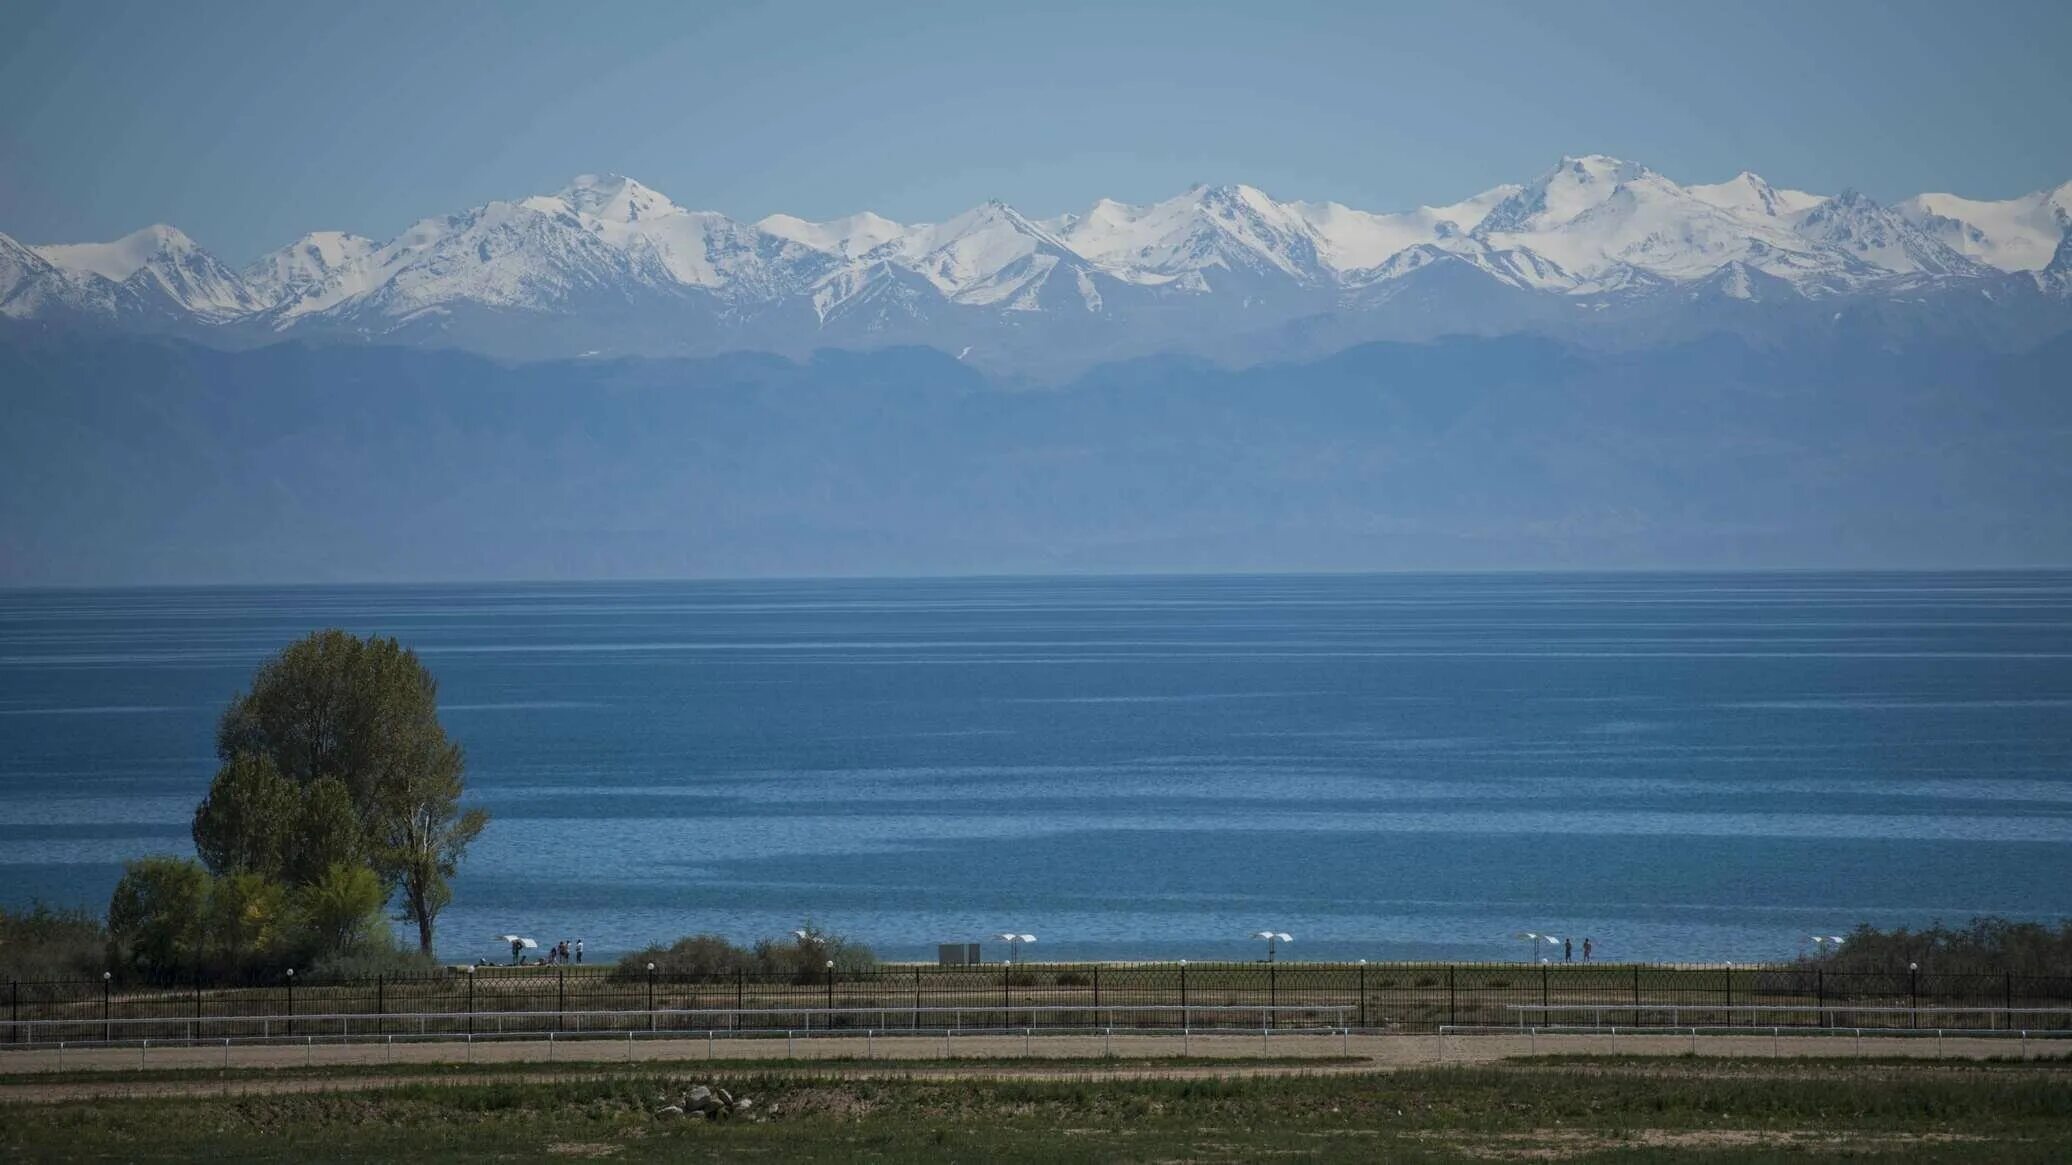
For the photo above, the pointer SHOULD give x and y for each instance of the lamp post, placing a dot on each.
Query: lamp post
(1913, 995)
(107, 984)
(651, 996)
(291, 1001)
(830, 989)
(471, 998)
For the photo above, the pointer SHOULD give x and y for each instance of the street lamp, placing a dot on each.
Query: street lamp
(1273, 939)
(1014, 944)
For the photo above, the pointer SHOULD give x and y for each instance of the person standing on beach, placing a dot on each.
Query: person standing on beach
(1568, 949)
(579, 950)
(1586, 950)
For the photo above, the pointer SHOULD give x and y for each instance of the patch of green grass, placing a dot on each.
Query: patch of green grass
(1739, 1110)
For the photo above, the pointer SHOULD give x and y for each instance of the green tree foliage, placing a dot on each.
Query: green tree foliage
(340, 910)
(41, 943)
(419, 833)
(799, 959)
(250, 923)
(249, 821)
(362, 713)
(157, 914)
(328, 834)
(1982, 946)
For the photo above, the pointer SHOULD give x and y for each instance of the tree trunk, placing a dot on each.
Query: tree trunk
(423, 918)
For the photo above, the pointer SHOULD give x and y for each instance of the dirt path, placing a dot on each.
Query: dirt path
(853, 1056)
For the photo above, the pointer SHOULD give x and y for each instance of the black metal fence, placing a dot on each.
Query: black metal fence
(1378, 997)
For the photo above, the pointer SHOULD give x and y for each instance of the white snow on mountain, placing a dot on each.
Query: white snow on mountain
(1590, 226)
(1879, 236)
(1593, 215)
(1232, 229)
(696, 248)
(987, 255)
(1353, 240)
(313, 272)
(1747, 194)
(2016, 234)
(850, 237)
(161, 260)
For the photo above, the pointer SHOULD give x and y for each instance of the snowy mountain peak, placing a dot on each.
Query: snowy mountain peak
(850, 236)
(612, 198)
(125, 256)
(163, 266)
(609, 255)
(1750, 194)
(1881, 237)
(1574, 187)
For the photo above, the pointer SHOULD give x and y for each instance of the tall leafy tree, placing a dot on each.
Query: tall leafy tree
(364, 713)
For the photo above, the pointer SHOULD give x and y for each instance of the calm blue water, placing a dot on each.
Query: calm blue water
(1682, 767)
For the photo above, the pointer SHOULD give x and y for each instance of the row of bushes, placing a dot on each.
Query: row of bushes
(1984, 946)
(171, 920)
(802, 958)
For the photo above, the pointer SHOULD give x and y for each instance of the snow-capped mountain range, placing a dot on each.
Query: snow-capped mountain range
(609, 266)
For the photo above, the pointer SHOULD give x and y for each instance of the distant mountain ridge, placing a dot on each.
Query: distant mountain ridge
(146, 460)
(608, 266)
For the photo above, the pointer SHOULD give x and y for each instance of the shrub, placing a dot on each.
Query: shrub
(41, 943)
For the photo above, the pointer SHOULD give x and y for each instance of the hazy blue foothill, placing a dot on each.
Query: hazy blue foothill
(1694, 766)
(126, 460)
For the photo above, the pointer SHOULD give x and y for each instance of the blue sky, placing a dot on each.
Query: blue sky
(247, 124)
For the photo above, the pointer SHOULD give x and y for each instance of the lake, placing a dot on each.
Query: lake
(1682, 767)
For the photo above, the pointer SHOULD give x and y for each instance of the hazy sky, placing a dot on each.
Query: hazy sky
(249, 124)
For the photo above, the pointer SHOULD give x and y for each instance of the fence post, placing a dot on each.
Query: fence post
(471, 1001)
(1363, 993)
(1097, 988)
(1005, 970)
(107, 985)
(2007, 997)
(651, 996)
(1820, 996)
(14, 1009)
(380, 991)
(917, 999)
(561, 998)
(1183, 988)
(1913, 995)
(740, 981)
(1543, 991)
(291, 1001)
(1451, 1010)
(1636, 994)
(1730, 994)
(1273, 992)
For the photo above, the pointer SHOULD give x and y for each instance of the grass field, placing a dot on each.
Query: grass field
(1624, 1109)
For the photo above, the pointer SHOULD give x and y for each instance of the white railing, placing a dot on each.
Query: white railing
(792, 1021)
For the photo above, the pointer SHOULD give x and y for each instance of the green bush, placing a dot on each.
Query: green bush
(799, 959)
(1986, 945)
(41, 943)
